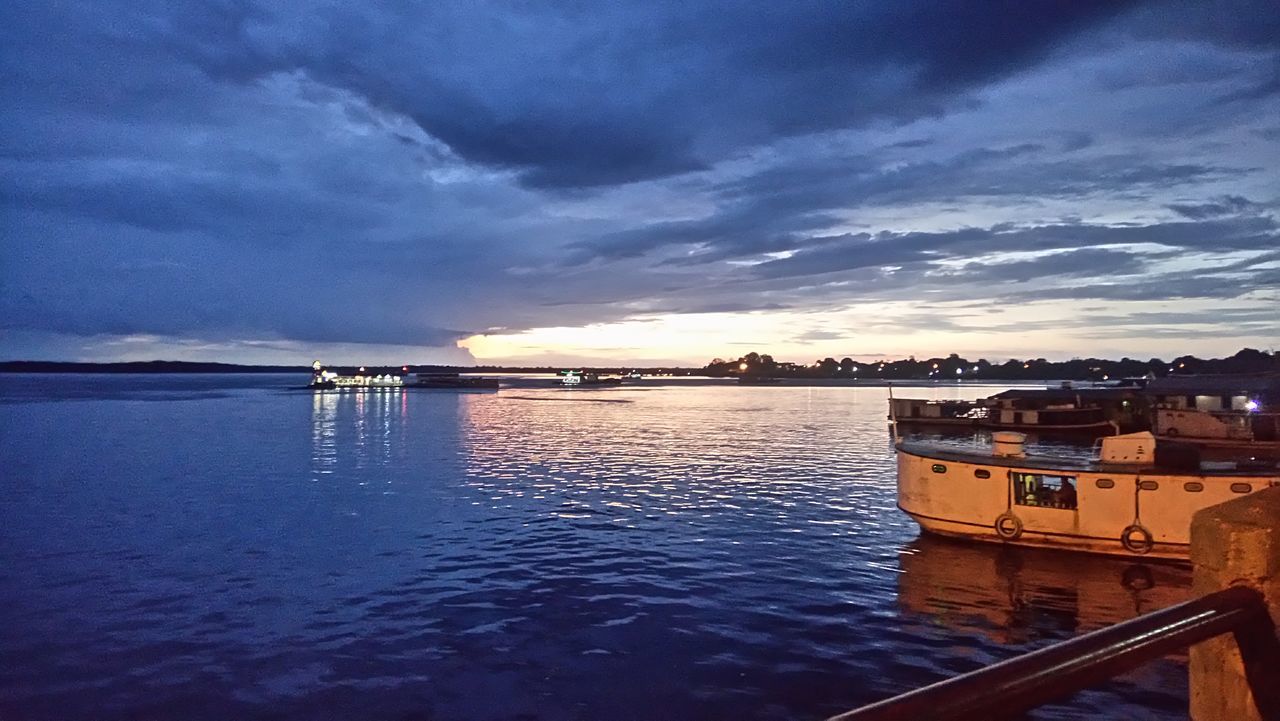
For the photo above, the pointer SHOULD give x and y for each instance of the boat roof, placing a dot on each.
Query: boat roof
(1049, 394)
(1059, 464)
(1220, 384)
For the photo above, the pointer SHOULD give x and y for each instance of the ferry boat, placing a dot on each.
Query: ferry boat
(323, 378)
(1134, 499)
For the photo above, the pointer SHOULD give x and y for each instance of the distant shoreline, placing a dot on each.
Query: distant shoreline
(142, 367)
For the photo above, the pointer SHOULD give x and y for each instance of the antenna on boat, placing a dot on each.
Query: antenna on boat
(893, 417)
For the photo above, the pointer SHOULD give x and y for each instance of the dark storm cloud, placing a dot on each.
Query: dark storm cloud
(572, 95)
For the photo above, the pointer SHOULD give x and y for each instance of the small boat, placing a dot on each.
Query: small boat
(1221, 412)
(1092, 411)
(936, 413)
(579, 379)
(1058, 410)
(1136, 498)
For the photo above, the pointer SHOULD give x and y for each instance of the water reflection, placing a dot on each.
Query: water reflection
(1014, 595)
(367, 426)
(324, 448)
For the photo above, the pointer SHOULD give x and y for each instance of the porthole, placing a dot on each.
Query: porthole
(1104, 483)
(1193, 486)
(939, 468)
(1148, 485)
(982, 473)
(1241, 488)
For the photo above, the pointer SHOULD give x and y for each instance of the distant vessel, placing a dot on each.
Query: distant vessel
(324, 379)
(578, 379)
(1135, 498)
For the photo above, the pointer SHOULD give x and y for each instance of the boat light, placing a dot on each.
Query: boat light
(1251, 406)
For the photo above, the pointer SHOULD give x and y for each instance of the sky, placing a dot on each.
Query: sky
(560, 183)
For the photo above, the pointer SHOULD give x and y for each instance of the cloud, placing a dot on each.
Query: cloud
(1227, 205)
(239, 172)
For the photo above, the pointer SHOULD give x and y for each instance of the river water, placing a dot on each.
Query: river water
(219, 547)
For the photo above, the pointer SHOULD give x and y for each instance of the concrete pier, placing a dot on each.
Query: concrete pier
(1236, 677)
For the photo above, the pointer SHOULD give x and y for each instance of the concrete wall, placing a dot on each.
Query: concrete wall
(1238, 543)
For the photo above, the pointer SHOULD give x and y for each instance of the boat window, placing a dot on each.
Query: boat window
(939, 468)
(1241, 488)
(1104, 483)
(982, 473)
(1193, 486)
(1046, 491)
(1148, 485)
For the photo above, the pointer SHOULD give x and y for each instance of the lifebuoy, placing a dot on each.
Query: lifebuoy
(1008, 526)
(1136, 539)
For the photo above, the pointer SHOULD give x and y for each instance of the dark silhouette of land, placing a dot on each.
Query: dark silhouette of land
(755, 365)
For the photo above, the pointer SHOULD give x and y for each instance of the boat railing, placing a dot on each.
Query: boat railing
(1014, 686)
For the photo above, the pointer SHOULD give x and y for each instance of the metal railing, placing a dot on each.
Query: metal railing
(1016, 685)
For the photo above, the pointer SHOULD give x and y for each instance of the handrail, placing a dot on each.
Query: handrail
(1013, 686)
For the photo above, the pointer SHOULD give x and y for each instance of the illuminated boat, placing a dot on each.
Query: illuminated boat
(1134, 498)
(578, 379)
(323, 378)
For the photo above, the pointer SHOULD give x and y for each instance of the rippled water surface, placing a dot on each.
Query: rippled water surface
(215, 547)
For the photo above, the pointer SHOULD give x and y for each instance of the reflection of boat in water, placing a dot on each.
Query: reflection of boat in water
(1134, 499)
(578, 379)
(1007, 592)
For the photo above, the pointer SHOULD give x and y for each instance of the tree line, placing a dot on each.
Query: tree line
(953, 367)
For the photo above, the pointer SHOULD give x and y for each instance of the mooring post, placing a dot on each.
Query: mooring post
(1237, 676)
